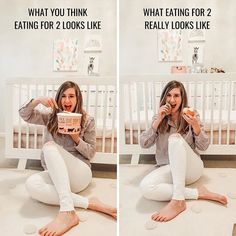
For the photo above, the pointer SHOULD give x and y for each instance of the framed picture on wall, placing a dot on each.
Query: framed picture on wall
(169, 44)
(91, 64)
(196, 35)
(93, 43)
(196, 53)
(65, 55)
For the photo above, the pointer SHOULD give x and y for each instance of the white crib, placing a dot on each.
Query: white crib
(212, 95)
(24, 141)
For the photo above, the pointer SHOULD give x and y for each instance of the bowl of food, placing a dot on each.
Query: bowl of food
(69, 122)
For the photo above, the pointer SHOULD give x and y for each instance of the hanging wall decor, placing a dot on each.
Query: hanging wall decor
(169, 45)
(196, 53)
(65, 55)
(196, 35)
(92, 64)
(93, 43)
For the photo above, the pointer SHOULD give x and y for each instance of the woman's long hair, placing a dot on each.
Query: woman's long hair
(181, 122)
(52, 125)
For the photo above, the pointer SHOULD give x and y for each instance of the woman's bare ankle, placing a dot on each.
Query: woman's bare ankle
(205, 194)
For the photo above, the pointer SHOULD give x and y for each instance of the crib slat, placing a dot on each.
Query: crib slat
(208, 95)
(35, 128)
(203, 99)
(220, 112)
(44, 94)
(229, 111)
(130, 113)
(96, 102)
(137, 110)
(145, 92)
(154, 98)
(27, 124)
(226, 96)
(9, 123)
(104, 118)
(96, 107)
(187, 90)
(212, 111)
(113, 120)
(19, 120)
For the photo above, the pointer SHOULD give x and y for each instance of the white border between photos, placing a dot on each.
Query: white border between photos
(118, 115)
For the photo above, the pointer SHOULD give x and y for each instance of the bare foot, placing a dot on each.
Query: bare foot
(64, 221)
(170, 211)
(204, 193)
(97, 205)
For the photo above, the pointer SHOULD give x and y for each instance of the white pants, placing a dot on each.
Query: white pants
(65, 176)
(168, 182)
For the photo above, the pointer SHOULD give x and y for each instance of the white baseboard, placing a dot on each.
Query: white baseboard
(2, 135)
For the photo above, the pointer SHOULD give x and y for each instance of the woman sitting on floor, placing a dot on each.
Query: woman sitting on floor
(176, 135)
(65, 158)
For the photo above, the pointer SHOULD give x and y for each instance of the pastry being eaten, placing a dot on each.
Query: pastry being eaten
(188, 111)
(169, 108)
(168, 104)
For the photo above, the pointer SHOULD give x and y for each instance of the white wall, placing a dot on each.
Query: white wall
(30, 52)
(138, 47)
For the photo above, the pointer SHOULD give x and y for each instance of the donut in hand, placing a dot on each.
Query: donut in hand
(169, 108)
(188, 111)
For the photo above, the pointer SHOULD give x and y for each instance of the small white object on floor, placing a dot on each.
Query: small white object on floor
(232, 195)
(222, 174)
(196, 209)
(83, 217)
(29, 229)
(151, 224)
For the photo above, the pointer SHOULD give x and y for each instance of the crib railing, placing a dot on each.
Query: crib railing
(24, 141)
(212, 95)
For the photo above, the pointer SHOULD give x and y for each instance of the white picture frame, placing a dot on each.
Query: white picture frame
(91, 64)
(196, 35)
(196, 53)
(170, 45)
(65, 54)
(93, 43)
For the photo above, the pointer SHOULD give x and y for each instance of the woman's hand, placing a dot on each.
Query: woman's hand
(162, 112)
(192, 120)
(46, 101)
(75, 137)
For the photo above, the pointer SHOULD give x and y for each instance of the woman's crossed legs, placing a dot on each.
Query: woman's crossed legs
(66, 176)
(168, 183)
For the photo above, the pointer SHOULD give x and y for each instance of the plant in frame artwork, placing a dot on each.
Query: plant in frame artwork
(169, 45)
(65, 55)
